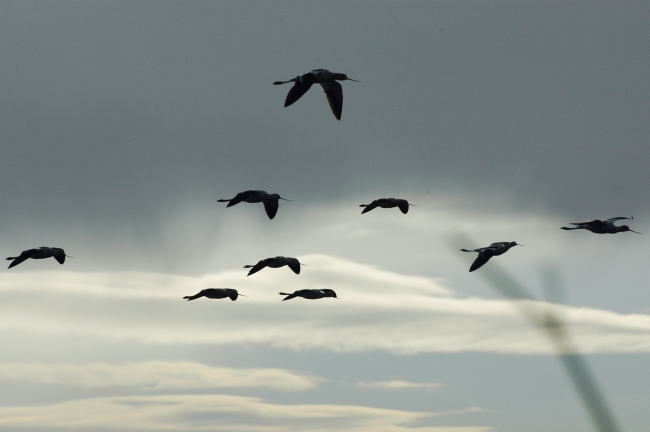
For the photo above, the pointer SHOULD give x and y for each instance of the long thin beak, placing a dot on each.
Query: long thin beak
(285, 199)
(303, 263)
(636, 232)
(70, 256)
(350, 79)
(242, 295)
(414, 205)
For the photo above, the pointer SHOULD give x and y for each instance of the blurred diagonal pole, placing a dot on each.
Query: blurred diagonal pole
(551, 324)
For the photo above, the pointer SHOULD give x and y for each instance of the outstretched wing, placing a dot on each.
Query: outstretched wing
(483, 257)
(373, 205)
(587, 223)
(257, 267)
(614, 219)
(403, 206)
(271, 207)
(300, 87)
(334, 93)
(17, 260)
(294, 265)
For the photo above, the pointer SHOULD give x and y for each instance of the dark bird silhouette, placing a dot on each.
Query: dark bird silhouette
(310, 294)
(327, 80)
(270, 201)
(275, 262)
(39, 253)
(602, 227)
(402, 204)
(485, 253)
(216, 293)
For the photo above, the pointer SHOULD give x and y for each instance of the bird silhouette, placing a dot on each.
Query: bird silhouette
(216, 293)
(402, 204)
(310, 294)
(275, 262)
(485, 253)
(39, 253)
(328, 80)
(270, 201)
(602, 227)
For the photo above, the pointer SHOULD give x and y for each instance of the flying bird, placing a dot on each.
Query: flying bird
(216, 293)
(275, 262)
(402, 204)
(39, 253)
(485, 253)
(602, 227)
(270, 201)
(310, 294)
(327, 80)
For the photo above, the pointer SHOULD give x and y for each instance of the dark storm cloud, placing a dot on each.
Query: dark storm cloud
(114, 112)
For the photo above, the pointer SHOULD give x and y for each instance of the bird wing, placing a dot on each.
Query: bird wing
(587, 223)
(373, 205)
(294, 265)
(614, 219)
(59, 255)
(257, 267)
(17, 260)
(334, 93)
(300, 87)
(483, 257)
(403, 206)
(271, 207)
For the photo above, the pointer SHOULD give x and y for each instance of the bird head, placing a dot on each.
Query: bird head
(627, 228)
(344, 77)
(277, 196)
(329, 293)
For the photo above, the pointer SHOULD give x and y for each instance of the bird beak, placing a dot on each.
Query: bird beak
(70, 256)
(519, 244)
(303, 263)
(242, 295)
(636, 232)
(285, 199)
(350, 79)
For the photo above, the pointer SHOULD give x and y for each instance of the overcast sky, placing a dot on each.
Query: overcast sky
(124, 121)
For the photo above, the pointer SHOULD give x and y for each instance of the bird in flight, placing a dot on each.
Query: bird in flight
(39, 253)
(402, 204)
(275, 262)
(216, 293)
(270, 201)
(485, 253)
(310, 294)
(328, 80)
(602, 227)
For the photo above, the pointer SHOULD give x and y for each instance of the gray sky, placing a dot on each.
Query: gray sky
(122, 123)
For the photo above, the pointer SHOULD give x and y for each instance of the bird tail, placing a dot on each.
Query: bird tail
(288, 296)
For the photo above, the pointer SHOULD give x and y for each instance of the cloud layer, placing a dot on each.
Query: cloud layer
(216, 413)
(378, 310)
(155, 375)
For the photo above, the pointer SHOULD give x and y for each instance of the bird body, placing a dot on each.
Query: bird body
(485, 253)
(598, 226)
(275, 262)
(328, 81)
(402, 204)
(39, 253)
(215, 293)
(270, 201)
(309, 294)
